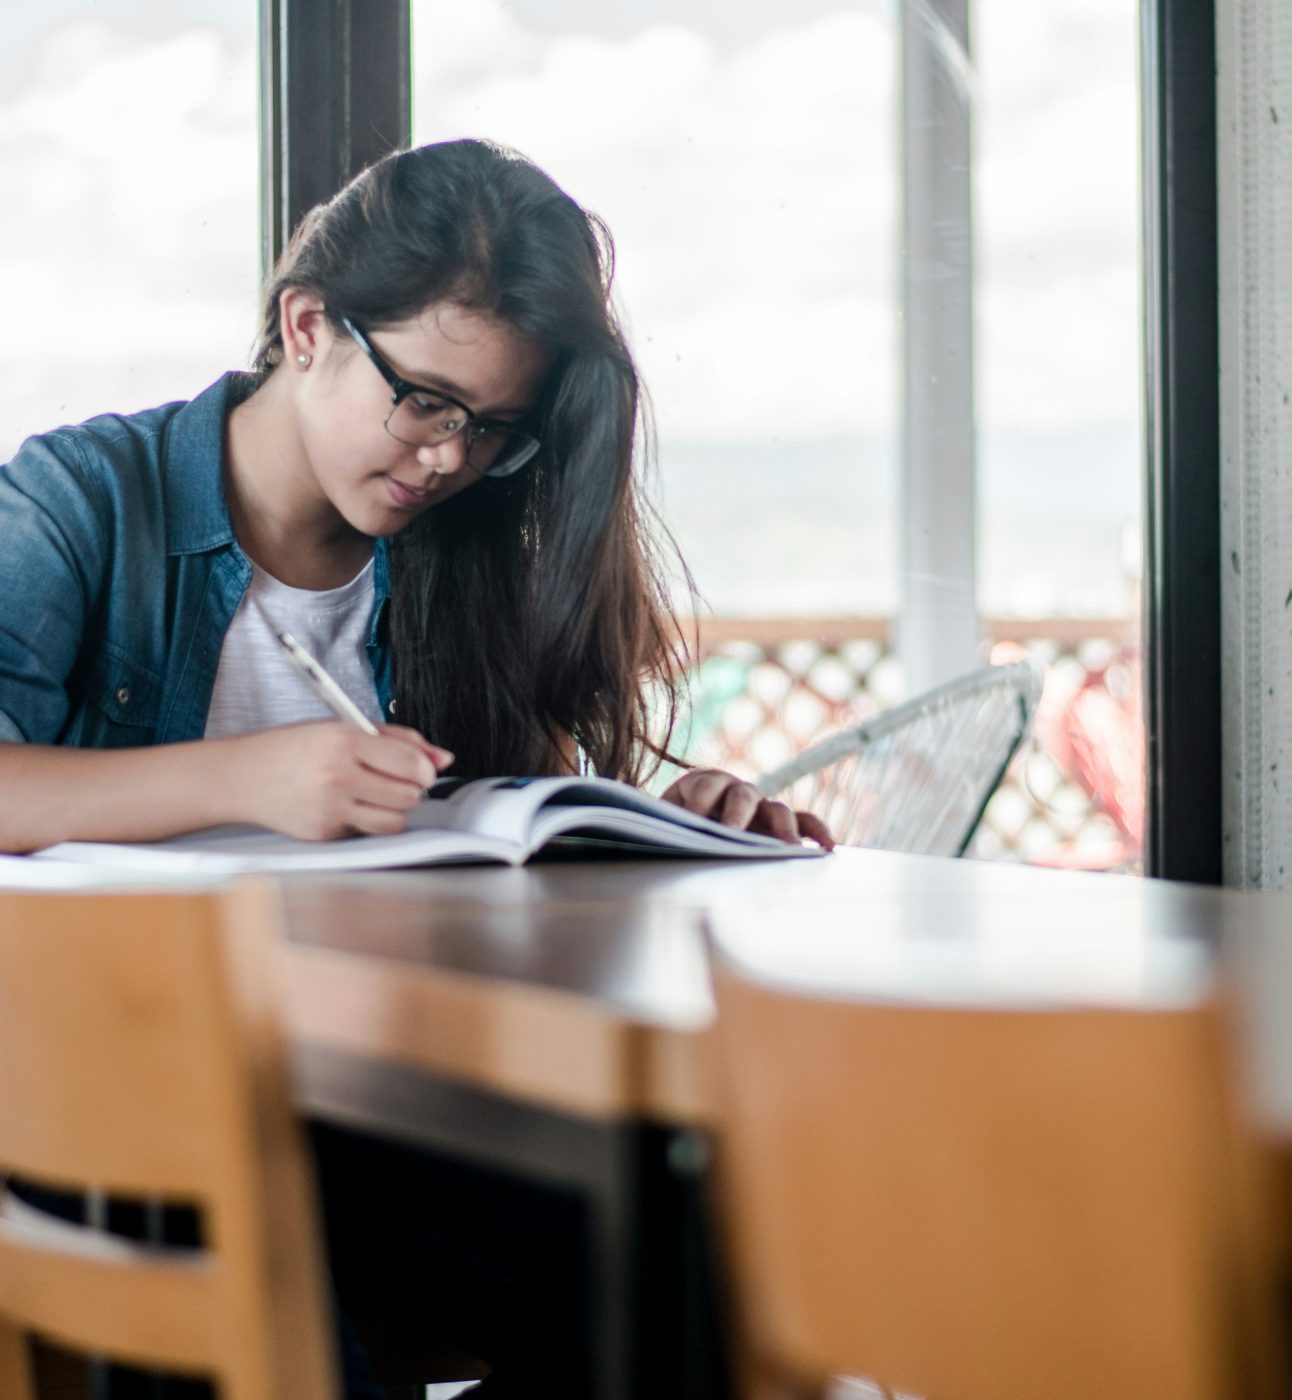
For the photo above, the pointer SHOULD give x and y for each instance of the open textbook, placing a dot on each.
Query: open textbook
(489, 819)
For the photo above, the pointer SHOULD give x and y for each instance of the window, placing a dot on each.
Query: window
(129, 252)
(744, 162)
(749, 161)
(1059, 390)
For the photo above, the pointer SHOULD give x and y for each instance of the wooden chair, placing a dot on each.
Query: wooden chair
(991, 1204)
(141, 1055)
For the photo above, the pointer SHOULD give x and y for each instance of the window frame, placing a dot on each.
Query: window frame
(1181, 634)
(336, 94)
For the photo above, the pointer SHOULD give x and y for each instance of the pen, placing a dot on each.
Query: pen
(323, 685)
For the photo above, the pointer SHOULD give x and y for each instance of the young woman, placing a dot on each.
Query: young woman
(431, 478)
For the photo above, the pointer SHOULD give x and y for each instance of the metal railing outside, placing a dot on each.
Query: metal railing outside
(763, 689)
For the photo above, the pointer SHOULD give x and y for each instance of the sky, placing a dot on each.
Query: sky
(752, 187)
(745, 157)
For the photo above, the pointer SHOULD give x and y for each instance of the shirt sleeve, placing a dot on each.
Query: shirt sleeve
(53, 535)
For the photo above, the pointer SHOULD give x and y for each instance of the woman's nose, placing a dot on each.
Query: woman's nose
(445, 458)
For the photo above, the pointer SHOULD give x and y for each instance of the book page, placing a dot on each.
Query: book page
(234, 850)
(534, 810)
(649, 830)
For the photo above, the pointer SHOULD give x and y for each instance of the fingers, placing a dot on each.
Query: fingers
(776, 819)
(324, 779)
(725, 798)
(815, 830)
(709, 792)
(740, 806)
(377, 789)
(702, 791)
(393, 778)
(395, 756)
(388, 775)
(440, 757)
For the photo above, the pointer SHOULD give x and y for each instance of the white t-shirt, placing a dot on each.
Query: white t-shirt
(256, 687)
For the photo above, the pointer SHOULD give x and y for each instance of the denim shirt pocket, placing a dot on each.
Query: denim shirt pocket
(124, 700)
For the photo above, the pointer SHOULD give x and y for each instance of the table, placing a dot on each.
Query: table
(548, 1023)
(554, 1019)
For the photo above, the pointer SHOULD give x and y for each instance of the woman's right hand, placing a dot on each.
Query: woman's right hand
(324, 780)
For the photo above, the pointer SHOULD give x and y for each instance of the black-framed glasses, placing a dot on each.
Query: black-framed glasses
(423, 417)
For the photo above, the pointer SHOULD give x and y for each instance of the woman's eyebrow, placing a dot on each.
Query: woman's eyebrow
(429, 380)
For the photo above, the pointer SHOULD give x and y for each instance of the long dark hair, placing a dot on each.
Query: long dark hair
(530, 613)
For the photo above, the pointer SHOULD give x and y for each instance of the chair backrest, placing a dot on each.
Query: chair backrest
(989, 1204)
(142, 1056)
(917, 777)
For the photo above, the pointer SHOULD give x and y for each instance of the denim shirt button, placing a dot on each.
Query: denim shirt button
(123, 695)
(391, 707)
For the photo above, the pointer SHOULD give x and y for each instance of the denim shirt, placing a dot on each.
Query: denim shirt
(120, 574)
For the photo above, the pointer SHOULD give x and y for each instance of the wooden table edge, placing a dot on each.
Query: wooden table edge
(537, 1044)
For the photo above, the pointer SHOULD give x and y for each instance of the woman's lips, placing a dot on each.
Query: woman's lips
(404, 496)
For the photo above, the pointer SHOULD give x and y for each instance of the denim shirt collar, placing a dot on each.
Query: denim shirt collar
(197, 512)
(380, 590)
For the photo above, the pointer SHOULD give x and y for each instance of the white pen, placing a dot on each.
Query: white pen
(323, 685)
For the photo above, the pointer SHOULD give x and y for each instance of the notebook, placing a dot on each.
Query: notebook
(486, 820)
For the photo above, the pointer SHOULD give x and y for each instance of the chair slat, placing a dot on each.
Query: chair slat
(131, 1301)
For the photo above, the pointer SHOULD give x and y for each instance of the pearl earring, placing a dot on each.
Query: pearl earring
(302, 358)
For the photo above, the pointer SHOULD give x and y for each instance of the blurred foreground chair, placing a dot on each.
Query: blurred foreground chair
(990, 1204)
(141, 1055)
(917, 777)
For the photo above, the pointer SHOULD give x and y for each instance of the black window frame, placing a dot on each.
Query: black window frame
(335, 94)
(1181, 635)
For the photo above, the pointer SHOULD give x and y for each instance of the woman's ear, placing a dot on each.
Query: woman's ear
(303, 323)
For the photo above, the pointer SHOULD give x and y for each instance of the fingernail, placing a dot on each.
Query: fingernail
(444, 757)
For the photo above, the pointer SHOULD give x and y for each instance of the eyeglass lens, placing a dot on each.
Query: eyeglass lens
(423, 420)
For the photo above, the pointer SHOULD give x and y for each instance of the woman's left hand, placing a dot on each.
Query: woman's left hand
(709, 792)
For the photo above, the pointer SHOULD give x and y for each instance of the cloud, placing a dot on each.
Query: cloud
(1057, 201)
(750, 191)
(753, 193)
(129, 250)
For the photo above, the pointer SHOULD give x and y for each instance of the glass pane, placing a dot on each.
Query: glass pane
(129, 247)
(742, 157)
(747, 160)
(1059, 404)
